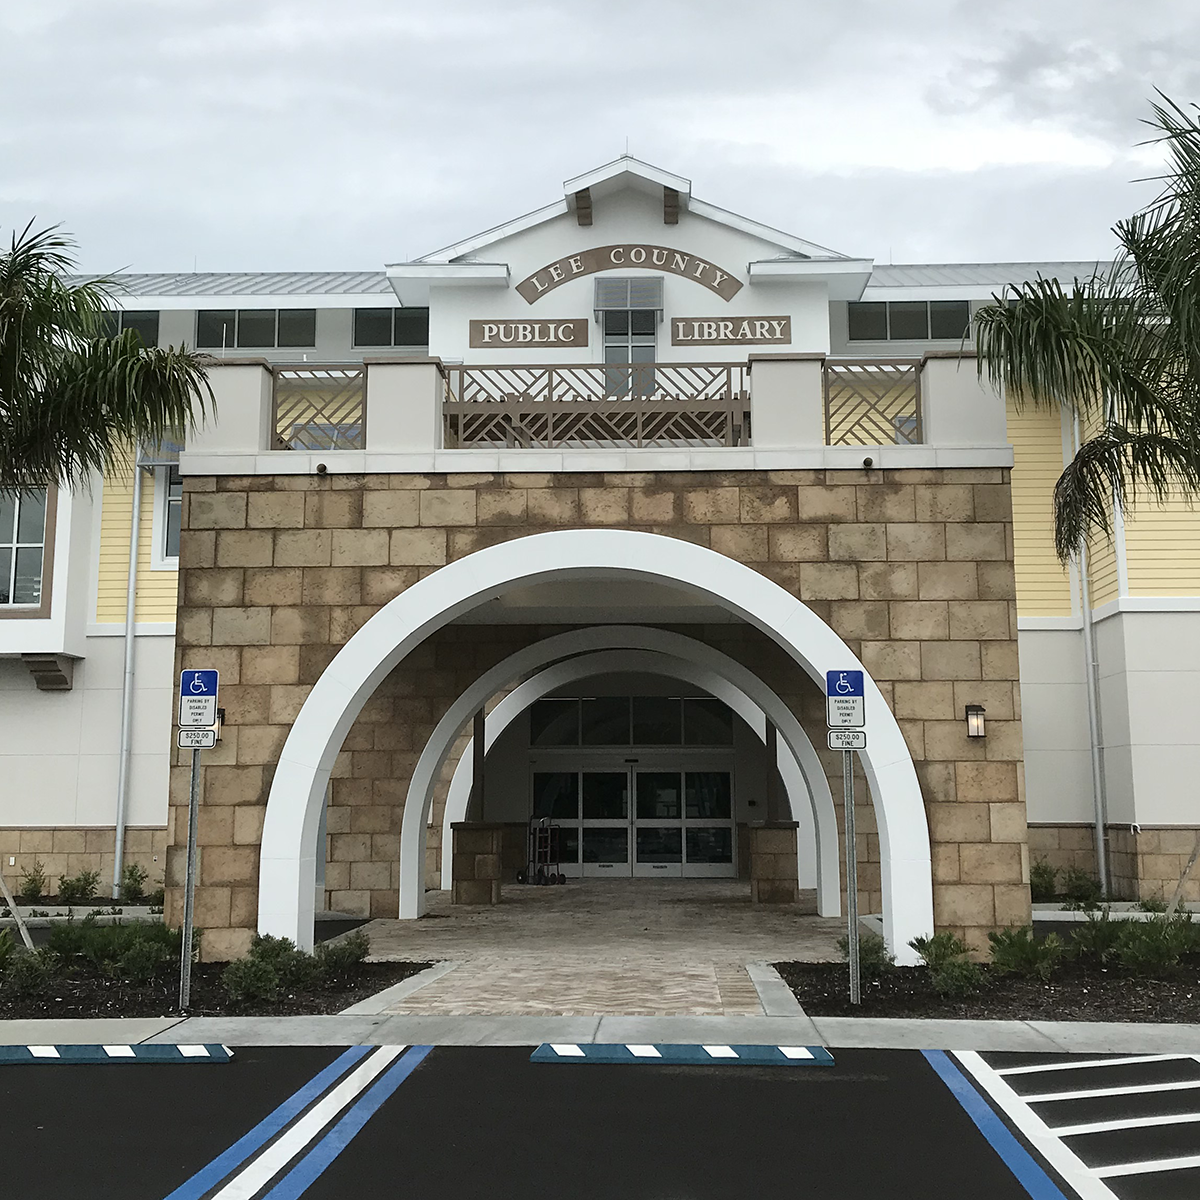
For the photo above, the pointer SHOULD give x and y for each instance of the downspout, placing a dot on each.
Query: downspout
(1095, 731)
(127, 682)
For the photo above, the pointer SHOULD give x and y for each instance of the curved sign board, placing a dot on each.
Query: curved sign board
(621, 258)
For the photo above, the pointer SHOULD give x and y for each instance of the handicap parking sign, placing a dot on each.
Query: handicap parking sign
(845, 700)
(197, 699)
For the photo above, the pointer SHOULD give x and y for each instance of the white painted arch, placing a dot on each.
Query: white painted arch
(287, 863)
(804, 779)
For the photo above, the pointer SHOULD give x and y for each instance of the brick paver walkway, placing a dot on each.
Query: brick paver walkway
(591, 947)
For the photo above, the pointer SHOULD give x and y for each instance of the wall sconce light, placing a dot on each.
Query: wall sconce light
(975, 727)
(220, 722)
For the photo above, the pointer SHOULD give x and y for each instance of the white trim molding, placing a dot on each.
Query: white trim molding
(141, 629)
(1031, 623)
(1146, 604)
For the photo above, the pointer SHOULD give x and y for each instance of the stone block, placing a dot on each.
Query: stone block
(275, 510)
(985, 620)
(229, 864)
(212, 908)
(963, 904)
(197, 548)
(832, 504)
(947, 581)
(859, 619)
(212, 588)
(950, 660)
(233, 785)
(828, 581)
(654, 505)
(712, 506)
(892, 660)
(887, 502)
(470, 891)
(1012, 904)
(916, 543)
(991, 863)
(381, 584)
(216, 510)
(272, 586)
(997, 581)
(245, 548)
(774, 891)
(993, 502)
(995, 696)
(945, 502)
(332, 585)
(214, 826)
(299, 626)
(977, 542)
(858, 543)
(937, 782)
(1004, 741)
(363, 547)
(798, 543)
(944, 860)
(303, 548)
(888, 581)
(925, 620)
(441, 507)
(390, 510)
(745, 543)
(553, 506)
(501, 506)
(367, 876)
(767, 505)
(947, 741)
(241, 627)
(350, 847)
(958, 822)
(923, 701)
(337, 509)
(1008, 822)
(224, 945)
(999, 660)
(986, 782)
(418, 547)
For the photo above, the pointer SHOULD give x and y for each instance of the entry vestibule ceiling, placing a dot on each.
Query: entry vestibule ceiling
(607, 601)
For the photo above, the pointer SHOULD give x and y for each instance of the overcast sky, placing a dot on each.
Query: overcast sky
(331, 134)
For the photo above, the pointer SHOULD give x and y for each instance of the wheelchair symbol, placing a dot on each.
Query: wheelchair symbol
(843, 686)
(196, 687)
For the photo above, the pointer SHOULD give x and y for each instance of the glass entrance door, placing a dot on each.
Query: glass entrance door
(604, 837)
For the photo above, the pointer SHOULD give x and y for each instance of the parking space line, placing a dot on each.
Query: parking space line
(1124, 1123)
(1148, 1167)
(1133, 1089)
(643, 1051)
(1131, 1060)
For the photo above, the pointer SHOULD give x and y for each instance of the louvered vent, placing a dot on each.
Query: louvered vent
(642, 291)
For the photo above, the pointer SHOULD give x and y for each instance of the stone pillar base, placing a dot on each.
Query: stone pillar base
(478, 855)
(774, 877)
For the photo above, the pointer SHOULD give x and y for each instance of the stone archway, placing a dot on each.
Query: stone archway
(287, 863)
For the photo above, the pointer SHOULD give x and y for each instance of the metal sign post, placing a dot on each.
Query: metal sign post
(197, 721)
(845, 713)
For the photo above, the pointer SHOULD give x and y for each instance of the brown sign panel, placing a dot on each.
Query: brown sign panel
(731, 331)
(621, 258)
(512, 335)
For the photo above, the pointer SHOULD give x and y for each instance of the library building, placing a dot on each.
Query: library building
(526, 561)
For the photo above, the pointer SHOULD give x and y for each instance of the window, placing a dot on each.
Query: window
(909, 320)
(391, 327)
(144, 324)
(168, 506)
(256, 328)
(630, 720)
(22, 546)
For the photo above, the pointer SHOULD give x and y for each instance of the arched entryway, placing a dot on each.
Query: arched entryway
(289, 841)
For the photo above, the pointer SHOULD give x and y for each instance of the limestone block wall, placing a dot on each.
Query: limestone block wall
(63, 851)
(912, 568)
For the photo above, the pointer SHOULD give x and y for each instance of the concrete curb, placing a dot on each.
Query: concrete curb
(776, 998)
(382, 1001)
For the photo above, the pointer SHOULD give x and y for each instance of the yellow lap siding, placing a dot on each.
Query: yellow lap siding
(1043, 586)
(156, 590)
(1162, 549)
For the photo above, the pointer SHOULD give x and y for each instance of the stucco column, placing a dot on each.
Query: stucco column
(404, 406)
(787, 406)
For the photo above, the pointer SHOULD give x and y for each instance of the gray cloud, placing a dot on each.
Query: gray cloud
(312, 134)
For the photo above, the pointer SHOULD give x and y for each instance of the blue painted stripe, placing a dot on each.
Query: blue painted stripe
(1018, 1160)
(209, 1176)
(164, 1052)
(683, 1055)
(302, 1176)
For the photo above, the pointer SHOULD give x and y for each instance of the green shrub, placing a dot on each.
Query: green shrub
(250, 978)
(138, 950)
(1096, 940)
(293, 968)
(144, 960)
(1043, 880)
(7, 948)
(133, 882)
(33, 883)
(156, 898)
(940, 949)
(873, 957)
(1152, 906)
(1017, 952)
(1153, 947)
(342, 960)
(958, 977)
(31, 969)
(72, 889)
(1081, 888)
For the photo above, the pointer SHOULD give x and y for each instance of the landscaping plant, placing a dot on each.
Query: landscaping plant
(133, 882)
(1043, 880)
(7, 948)
(1154, 947)
(1095, 941)
(1081, 889)
(138, 951)
(276, 964)
(74, 889)
(33, 883)
(873, 957)
(1017, 952)
(950, 971)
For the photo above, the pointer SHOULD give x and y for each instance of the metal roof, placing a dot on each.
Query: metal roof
(979, 274)
(245, 283)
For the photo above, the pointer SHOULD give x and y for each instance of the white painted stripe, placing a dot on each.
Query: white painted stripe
(567, 1050)
(795, 1052)
(643, 1051)
(1125, 1123)
(280, 1152)
(1181, 1085)
(1147, 1168)
(720, 1051)
(44, 1052)
(1044, 1140)
(1088, 1063)
(193, 1051)
(119, 1052)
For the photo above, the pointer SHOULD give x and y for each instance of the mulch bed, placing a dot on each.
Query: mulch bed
(1076, 992)
(87, 995)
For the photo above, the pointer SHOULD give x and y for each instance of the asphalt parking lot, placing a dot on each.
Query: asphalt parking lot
(376, 1122)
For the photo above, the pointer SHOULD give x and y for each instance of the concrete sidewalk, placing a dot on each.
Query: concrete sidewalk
(1049, 1037)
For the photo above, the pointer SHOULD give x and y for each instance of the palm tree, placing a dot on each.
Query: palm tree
(73, 400)
(1122, 349)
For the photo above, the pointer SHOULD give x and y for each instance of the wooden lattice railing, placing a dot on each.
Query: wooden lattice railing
(320, 408)
(872, 402)
(650, 404)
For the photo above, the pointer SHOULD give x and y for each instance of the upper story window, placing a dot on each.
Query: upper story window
(168, 507)
(256, 328)
(22, 547)
(391, 327)
(909, 320)
(630, 721)
(144, 324)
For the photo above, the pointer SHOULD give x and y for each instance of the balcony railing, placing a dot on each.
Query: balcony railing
(872, 402)
(598, 406)
(319, 408)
